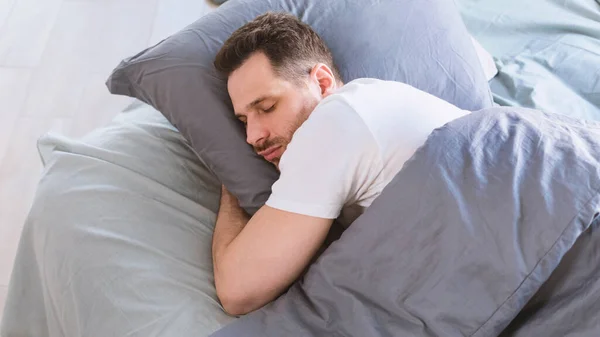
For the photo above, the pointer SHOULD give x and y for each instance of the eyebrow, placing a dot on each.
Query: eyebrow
(251, 105)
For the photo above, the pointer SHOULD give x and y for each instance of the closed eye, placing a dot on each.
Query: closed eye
(271, 109)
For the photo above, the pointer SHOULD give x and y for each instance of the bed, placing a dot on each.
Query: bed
(93, 260)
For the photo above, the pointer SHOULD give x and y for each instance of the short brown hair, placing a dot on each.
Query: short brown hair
(292, 46)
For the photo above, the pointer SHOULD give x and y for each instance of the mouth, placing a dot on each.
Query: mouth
(271, 153)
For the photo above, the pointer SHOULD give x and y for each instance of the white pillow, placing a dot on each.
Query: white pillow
(486, 60)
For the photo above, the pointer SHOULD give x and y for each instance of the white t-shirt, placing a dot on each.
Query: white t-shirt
(352, 146)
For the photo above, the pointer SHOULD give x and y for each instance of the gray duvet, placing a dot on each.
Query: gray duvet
(469, 235)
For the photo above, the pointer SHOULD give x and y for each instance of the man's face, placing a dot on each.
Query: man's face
(271, 107)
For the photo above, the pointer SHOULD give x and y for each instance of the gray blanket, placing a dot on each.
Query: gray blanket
(469, 232)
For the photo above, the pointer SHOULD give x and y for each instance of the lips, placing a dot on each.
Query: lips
(271, 153)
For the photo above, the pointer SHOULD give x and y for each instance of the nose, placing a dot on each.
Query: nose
(256, 132)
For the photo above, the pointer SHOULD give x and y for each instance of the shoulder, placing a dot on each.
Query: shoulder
(334, 131)
(348, 107)
(371, 87)
(335, 121)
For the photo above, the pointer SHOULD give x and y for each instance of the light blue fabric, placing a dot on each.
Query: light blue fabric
(547, 52)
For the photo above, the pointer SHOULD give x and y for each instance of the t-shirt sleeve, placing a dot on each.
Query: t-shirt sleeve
(333, 159)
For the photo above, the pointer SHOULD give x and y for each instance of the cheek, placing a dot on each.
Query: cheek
(281, 127)
(291, 114)
(280, 120)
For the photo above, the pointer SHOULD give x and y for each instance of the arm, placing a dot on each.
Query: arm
(255, 260)
(231, 219)
(332, 160)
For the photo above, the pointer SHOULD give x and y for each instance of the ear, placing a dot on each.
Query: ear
(322, 75)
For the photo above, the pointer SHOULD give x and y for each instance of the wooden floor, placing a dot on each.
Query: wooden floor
(54, 58)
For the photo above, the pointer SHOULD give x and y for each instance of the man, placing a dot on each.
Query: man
(336, 146)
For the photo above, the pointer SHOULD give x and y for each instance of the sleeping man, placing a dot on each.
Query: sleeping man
(336, 146)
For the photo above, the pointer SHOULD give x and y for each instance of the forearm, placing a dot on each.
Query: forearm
(256, 259)
(231, 219)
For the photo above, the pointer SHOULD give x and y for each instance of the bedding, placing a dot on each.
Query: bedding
(547, 52)
(548, 55)
(118, 240)
(462, 238)
(569, 301)
(422, 43)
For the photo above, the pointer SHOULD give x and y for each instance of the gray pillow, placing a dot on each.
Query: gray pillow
(422, 43)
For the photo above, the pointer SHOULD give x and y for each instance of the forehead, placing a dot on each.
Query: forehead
(254, 79)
